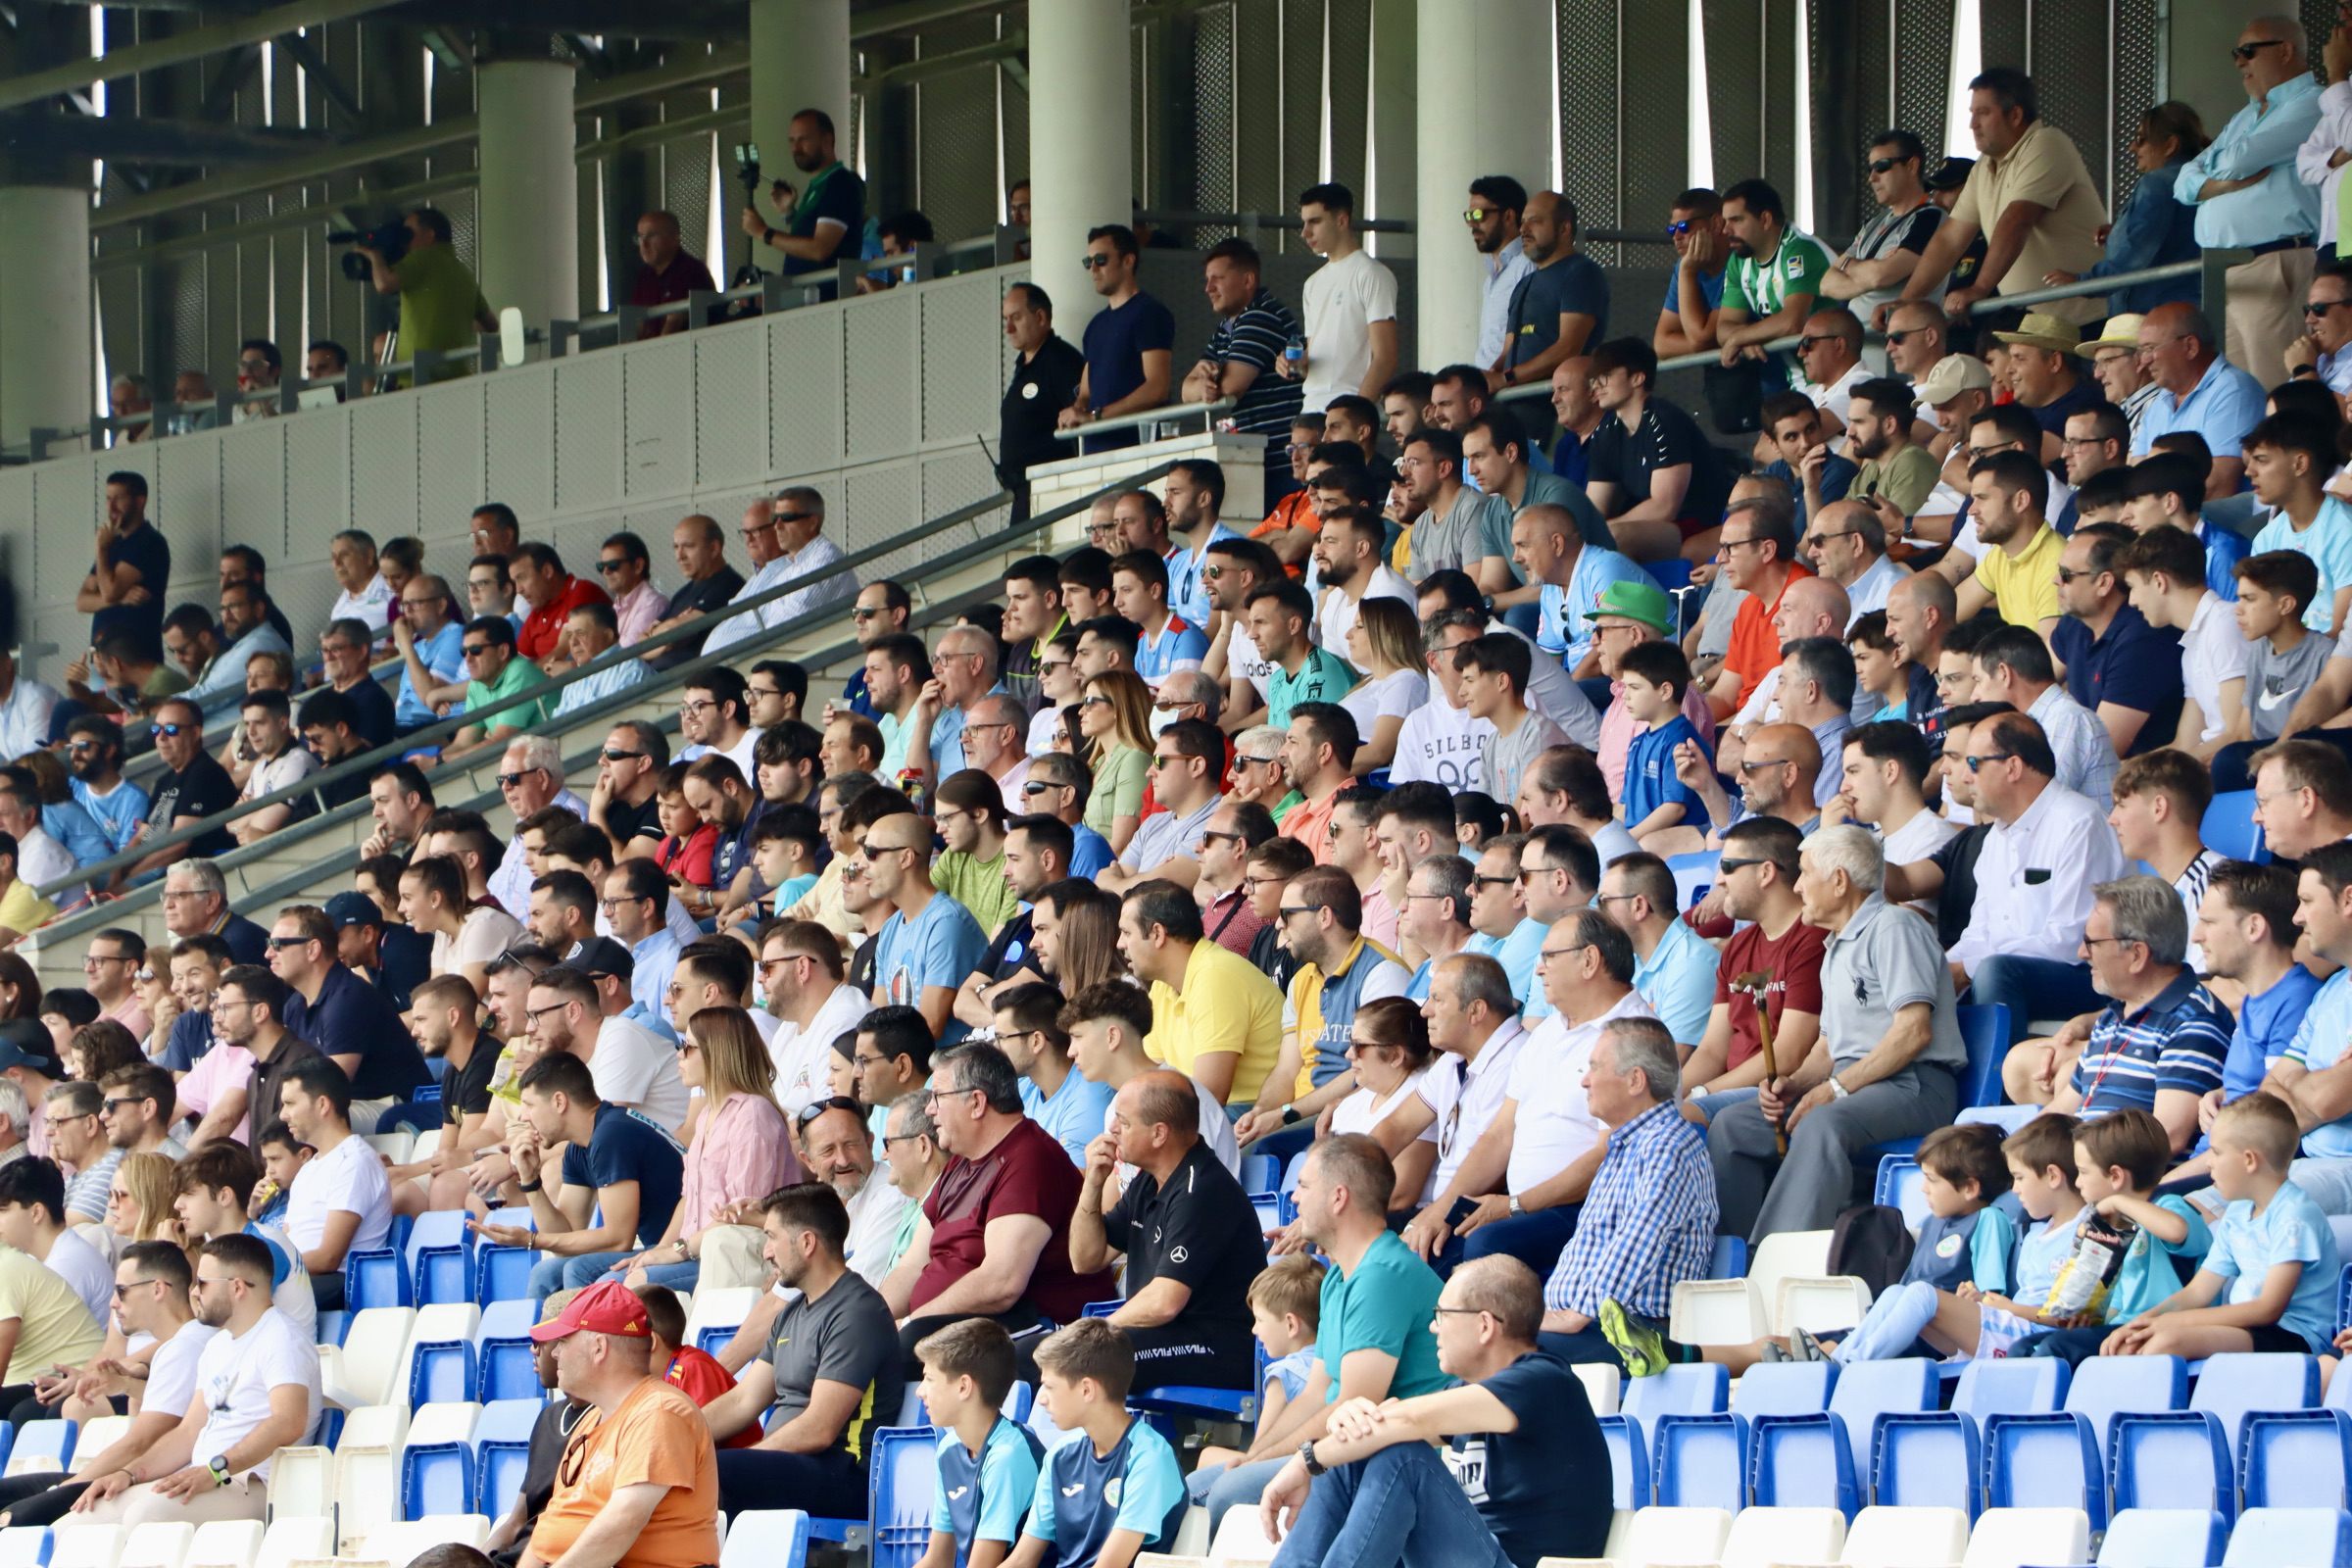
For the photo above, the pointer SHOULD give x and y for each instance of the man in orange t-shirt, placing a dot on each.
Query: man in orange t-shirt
(638, 1483)
(1758, 550)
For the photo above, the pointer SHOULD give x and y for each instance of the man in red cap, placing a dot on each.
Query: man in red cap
(639, 1483)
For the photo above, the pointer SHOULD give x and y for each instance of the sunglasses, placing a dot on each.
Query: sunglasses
(509, 781)
(2246, 52)
(280, 944)
(1879, 166)
(475, 650)
(2318, 307)
(612, 756)
(1091, 262)
(1678, 229)
(1036, 788)
(610, 566)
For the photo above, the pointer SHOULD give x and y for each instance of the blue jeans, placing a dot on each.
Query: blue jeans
(680, 1277)
(552, 1274)
(1535, 1239)
(1709, 1104)
(1401, 1506)
(1234, 1486)
(2033, 988)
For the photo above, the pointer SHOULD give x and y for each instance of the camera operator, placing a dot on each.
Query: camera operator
(441, 308)
(826, 223)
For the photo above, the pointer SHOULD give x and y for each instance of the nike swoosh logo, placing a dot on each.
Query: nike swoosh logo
(2272, 700)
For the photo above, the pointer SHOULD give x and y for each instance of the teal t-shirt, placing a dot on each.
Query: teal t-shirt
(1990, 1247)
(1325, 677)
(1387, 1304)
(2147, 1276)
(985, 1499)
(1082, 1496)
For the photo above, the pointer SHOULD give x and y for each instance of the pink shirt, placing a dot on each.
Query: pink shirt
(740, 1150)
(224, 1066)
(1380, 921)
(131, 1015)
(1617, 729)
(637, 611)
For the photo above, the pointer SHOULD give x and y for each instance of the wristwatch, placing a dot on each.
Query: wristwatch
(1289, 1114)
(220, 1469)
(1306, 1456)
(530, 1187)
(1837, 1091)
(1516, 1210)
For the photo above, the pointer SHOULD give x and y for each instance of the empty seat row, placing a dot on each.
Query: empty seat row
(288, 1540)
(450, 1460)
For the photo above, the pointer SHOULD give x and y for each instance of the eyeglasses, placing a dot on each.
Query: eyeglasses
(1549, 954)
(159, 731)
(932, 1096)
(612, 756)
(794, 517)
(1092, 261)
(1297, 908)
(1804, 343)
(93, 960)
(1158, 762)
(871, 850)
(1895, 339)
(1527, 871)
(1257, 761)
(1047, 666)
(114, 1105)
(2244, 53)
(1475, 214)
(2066, 574)
(1762, 763)
(1976, 763)
(690, 706)
(1726, 546)
(1879, 166)
(541, 1013)
(1095, 702)
(1234, 838)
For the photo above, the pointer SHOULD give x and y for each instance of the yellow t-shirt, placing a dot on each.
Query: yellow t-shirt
(23, 909)
(54, 1328)
(2023, 588)
(1227, 1003)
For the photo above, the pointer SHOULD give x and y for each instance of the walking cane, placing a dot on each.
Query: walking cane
(1755, 983)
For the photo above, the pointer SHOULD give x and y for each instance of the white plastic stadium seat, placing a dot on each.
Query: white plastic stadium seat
(302, 1485)
(156, 1546)
(292, 1536)
(368, 1472)
(1763, 1537)
(2012, 1537)
(395, 1146)
(1906, 1537)
(225, 1543)
(373, 1352)
(96, 1436)
(1241, 1540)
(86, 1547)
(1821, 1305)
(1802, 1254)
(1677, 1537)
(1717, 1312)
(24, 1545)
(452, 1421)
(719, 1309)
(1603, 1386)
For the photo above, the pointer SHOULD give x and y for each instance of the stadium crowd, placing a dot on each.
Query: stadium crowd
(944, 1006)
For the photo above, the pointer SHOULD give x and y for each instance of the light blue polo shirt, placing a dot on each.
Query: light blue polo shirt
(1075, 1115)
(2222, 407)
(1187, 590)
(1521, 955)
(1678, 981)
(1565, 631)
(2320, 1043)
(2247, 1246)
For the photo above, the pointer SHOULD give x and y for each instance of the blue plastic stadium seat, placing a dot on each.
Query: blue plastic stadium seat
(2174, 1459)
(503, 1273)
(2343, 1299)
(782, 1534)
(2106, 1386)
(8, 1440)
(1024, 1400)
(1784, 1388)
(1670, 574)
(1809, 1460)
(442, 1372)
(436, 1478)
(1629, 1461)
(1290, 1172)
(2046, 1461)
(1260, 1173)
(1206, 1404)
(1900, 1185)
(1701, 1461)
(2230, 1385)
(502, 1449)
(2229, 830)
(2271, 1538)
(1985, 1031)
(2161, 1538)
(1729, 1260)
(378, 1276)
(1928, 1459)
(2297, 1459)
(1693, 874)
(1269, 1211)
(900, 1479)
(440, 1255)
(503, 1365)
(1700, 1389)
(332, 1327)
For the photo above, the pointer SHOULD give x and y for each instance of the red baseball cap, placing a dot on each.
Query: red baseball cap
(604, 1308)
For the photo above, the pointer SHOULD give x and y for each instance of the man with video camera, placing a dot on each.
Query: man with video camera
(441, 307)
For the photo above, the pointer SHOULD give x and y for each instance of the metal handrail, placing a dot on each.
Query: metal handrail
(1174, 411)
(1983, 307)
(366, 762)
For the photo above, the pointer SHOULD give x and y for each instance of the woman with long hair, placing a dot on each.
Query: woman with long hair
(1116, 721)
(138, 1201)
(737, 1145)
(19, 988)
(1386, 639)
(1077, 936)
(2155, 227)
(466, 935)
(1388, 1046)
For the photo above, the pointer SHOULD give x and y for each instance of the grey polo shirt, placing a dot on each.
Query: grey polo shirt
(1887, 959)
(1457, 540)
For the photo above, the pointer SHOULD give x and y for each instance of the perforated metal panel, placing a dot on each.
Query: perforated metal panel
(520, 410)
(1350, 90)
(383, 474)
(956, 153)
(880, 501)
(587, 417)
(658, 401)
(952, 479)
(1301, 109)
(1736, 85)
(1014, 121)
(319, 474)
(2073, 49)
(188, 469)
(450, 456)
(253, 486)
(730, 404)
(959, 388)
(2005, 33)
(804, 390)
(883, 335)
(2136, 31)
(578, 540)
(1923, 47)
(65, 507)
(1214, 110)
(1259, 182)
(1653, 154)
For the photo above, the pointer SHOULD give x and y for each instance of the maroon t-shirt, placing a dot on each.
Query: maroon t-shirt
(1027, 1173)
(686, 275)
(1795, 963)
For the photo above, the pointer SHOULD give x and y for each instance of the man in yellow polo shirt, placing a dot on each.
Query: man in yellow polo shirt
(1215, 1017)
(2017, 571)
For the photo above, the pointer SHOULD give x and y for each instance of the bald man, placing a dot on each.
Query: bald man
(1846, 542)
(1778, 778)
(1811, 608)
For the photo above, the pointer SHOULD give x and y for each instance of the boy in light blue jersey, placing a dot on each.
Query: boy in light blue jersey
(2119, 1159)
(1139, 588)
(2269, 1283)
(988, 1462)
(1286, 1303)
(1114, 1489)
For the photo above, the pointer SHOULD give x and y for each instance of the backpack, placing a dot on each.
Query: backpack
(1871, 1243)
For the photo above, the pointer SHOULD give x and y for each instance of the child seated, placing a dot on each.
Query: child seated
(282, 1158)
(988, 1462)
(1655, 676)
(1879, 668)
(1286, 1302)
(2119, 1159)
(694, 1372)
(1114, 1490)
(689, 843)
(1970, 1321)
(2269, 1282)
(1966, 1240)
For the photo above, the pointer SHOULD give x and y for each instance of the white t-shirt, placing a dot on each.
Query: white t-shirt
(1440, 743)
(79, 1264)
(2212, 651)
(804, 1057)
(1554, 1125)
(874, 1215)
(1396, 696)
(1243, 658)
(271, 774)
(636, 1067)
(1041, 729)
(484, 935)
(41, 860)
(1338, 614)
(349, 1179)
(173, 1372)
(370, 606)
(236, 1374)
(1339, 303)
(1915, 841)
(1478, 1089)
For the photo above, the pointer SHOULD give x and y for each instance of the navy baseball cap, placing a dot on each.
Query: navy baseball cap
(354, 909)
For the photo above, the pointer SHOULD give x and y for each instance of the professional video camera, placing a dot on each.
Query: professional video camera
(390, 240)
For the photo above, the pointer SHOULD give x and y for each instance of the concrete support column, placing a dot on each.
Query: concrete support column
(46, 376)
(1081, 144)
(1496, 52)
(530, 190)
(1396, 90)
(799, 59)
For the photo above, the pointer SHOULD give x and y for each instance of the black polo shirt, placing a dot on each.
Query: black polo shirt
(701, 596)
(1665, 438)
(625, 822)
(1201, 1231)
(1043, 385)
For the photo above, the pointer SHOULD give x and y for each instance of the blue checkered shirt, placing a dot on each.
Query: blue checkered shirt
(1647, 1223)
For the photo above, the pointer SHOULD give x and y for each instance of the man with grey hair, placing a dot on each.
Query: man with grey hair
(1190, 694)
(196, 904)
(2248, 195)
(787, 544)
(1650, 1220)
(1473, 1019)
(2160, 1044)
(1848, 543)
(16, 1123)
(963, 671)
(1258, 770)
(530, 776)
(910, 1149)
(1886, 1064)
(992, 733)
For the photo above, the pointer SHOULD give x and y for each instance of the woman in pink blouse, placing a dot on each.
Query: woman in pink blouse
(737, 1148)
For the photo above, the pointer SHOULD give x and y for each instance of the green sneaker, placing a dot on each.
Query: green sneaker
(1642, 1347)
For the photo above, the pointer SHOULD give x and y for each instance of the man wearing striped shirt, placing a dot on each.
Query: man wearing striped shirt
(1253, 327)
